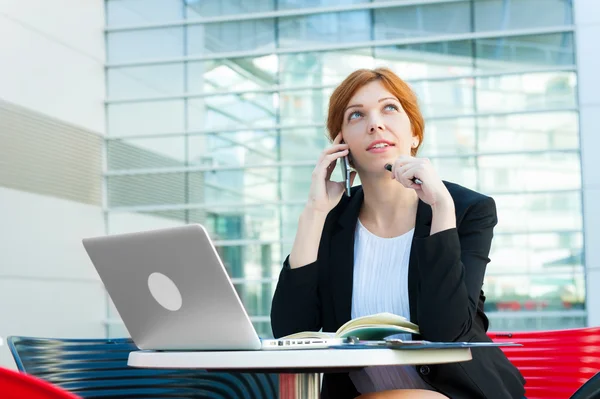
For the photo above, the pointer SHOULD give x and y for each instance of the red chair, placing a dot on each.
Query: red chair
(15, 385)
(555, 364)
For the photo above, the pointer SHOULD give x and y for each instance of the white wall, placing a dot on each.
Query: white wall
(52, 62)
(48, 286)
(52, 58)
(587, 20)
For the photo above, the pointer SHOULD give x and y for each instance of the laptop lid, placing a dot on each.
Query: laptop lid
(172, 290)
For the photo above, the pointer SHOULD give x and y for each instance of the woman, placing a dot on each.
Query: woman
(417, 250)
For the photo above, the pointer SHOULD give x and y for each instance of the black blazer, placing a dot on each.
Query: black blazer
(445, 277)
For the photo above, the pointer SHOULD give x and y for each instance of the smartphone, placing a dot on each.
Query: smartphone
(346, 174)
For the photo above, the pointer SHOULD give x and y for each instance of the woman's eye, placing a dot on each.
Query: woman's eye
(354, 115)
(391, 107)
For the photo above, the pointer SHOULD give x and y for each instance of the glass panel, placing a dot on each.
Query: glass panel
(263, 328)
(303, 144)
(256, 297)
(493, 15)
(535, 292)
(552, 252)
(215, 8)
(537, 322)
(223, 37)
(556, 130)
(304, 107)
(541, 212)
(232, 74)
(527, 92)
(318, 29)
(240, 148)
(448, 137)
(145, 81)
(445, 98)
(529, 172)
(131, 222)
(295, 4)
(146, 153)
(328, 67)
(144, 44)
(139, 12)
(457, 170)
(426, 60)
(426, 20)
(533, 51)
(252, 262)
(151, 117)
(234, 111)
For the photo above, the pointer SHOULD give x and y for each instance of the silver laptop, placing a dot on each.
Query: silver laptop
(173, 293)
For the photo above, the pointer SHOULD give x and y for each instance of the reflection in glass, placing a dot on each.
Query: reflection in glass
(303, 144)
(448, 137)
(152, 117)
(522, 52)
(232, 111)
(535, 292)
(250, 261)
(232, 74)
(223, 37)
(256, 297)
(537, 253)
(426, 20)
(215, 8)
(247, 147)
(457, 170)
(304, 107)
(494, 15)
(445, 98)
(144, 44)
(317, 29)
(327, 67)
(145, 81)
(530, 91)
(427, 60)
(539, 131)
(529, 172)
(540, 212)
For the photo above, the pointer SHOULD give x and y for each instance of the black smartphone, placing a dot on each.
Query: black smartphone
(346, 173)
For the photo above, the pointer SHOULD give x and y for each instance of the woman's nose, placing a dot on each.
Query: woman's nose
(375, 125)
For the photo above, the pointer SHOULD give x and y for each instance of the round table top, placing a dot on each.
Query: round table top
(313, 359)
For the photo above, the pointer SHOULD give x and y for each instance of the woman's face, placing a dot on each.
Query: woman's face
(376, 128)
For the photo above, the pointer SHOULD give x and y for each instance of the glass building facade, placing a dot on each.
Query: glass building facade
(216, 111)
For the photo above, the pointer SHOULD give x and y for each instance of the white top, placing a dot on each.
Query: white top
(311, 359)
(380, 284)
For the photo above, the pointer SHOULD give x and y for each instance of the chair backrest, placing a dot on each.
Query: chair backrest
(14, 385)
(555, 364)
(94, 368)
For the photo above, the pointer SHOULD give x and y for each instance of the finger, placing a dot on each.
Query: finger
(352, 176)
(331, 150)
(409, 175)
(338, 138)
(322, 167)
(403, 160)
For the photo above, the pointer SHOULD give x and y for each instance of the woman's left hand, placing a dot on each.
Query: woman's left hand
(432, 190)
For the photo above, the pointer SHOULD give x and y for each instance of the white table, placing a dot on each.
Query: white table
(307, 364)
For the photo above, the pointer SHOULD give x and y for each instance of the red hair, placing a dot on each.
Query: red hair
(343, 93)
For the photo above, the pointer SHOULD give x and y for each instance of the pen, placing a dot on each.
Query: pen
(415, 180)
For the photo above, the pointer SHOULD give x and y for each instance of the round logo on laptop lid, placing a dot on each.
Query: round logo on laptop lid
(165, 292)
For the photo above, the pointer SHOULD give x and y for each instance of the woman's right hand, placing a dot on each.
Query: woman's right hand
(325, 194)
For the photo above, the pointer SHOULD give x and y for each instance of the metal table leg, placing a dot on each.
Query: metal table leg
(300, 386)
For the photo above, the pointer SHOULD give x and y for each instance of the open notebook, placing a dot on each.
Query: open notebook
(372, 327)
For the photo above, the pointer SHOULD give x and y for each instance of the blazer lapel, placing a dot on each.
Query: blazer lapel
(422, 230)
(341, 259)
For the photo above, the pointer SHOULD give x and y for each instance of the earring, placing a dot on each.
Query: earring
(415, 144)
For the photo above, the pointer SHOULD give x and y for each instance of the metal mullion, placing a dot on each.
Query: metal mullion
(356, 45)
(279, 14)
(277, 89)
